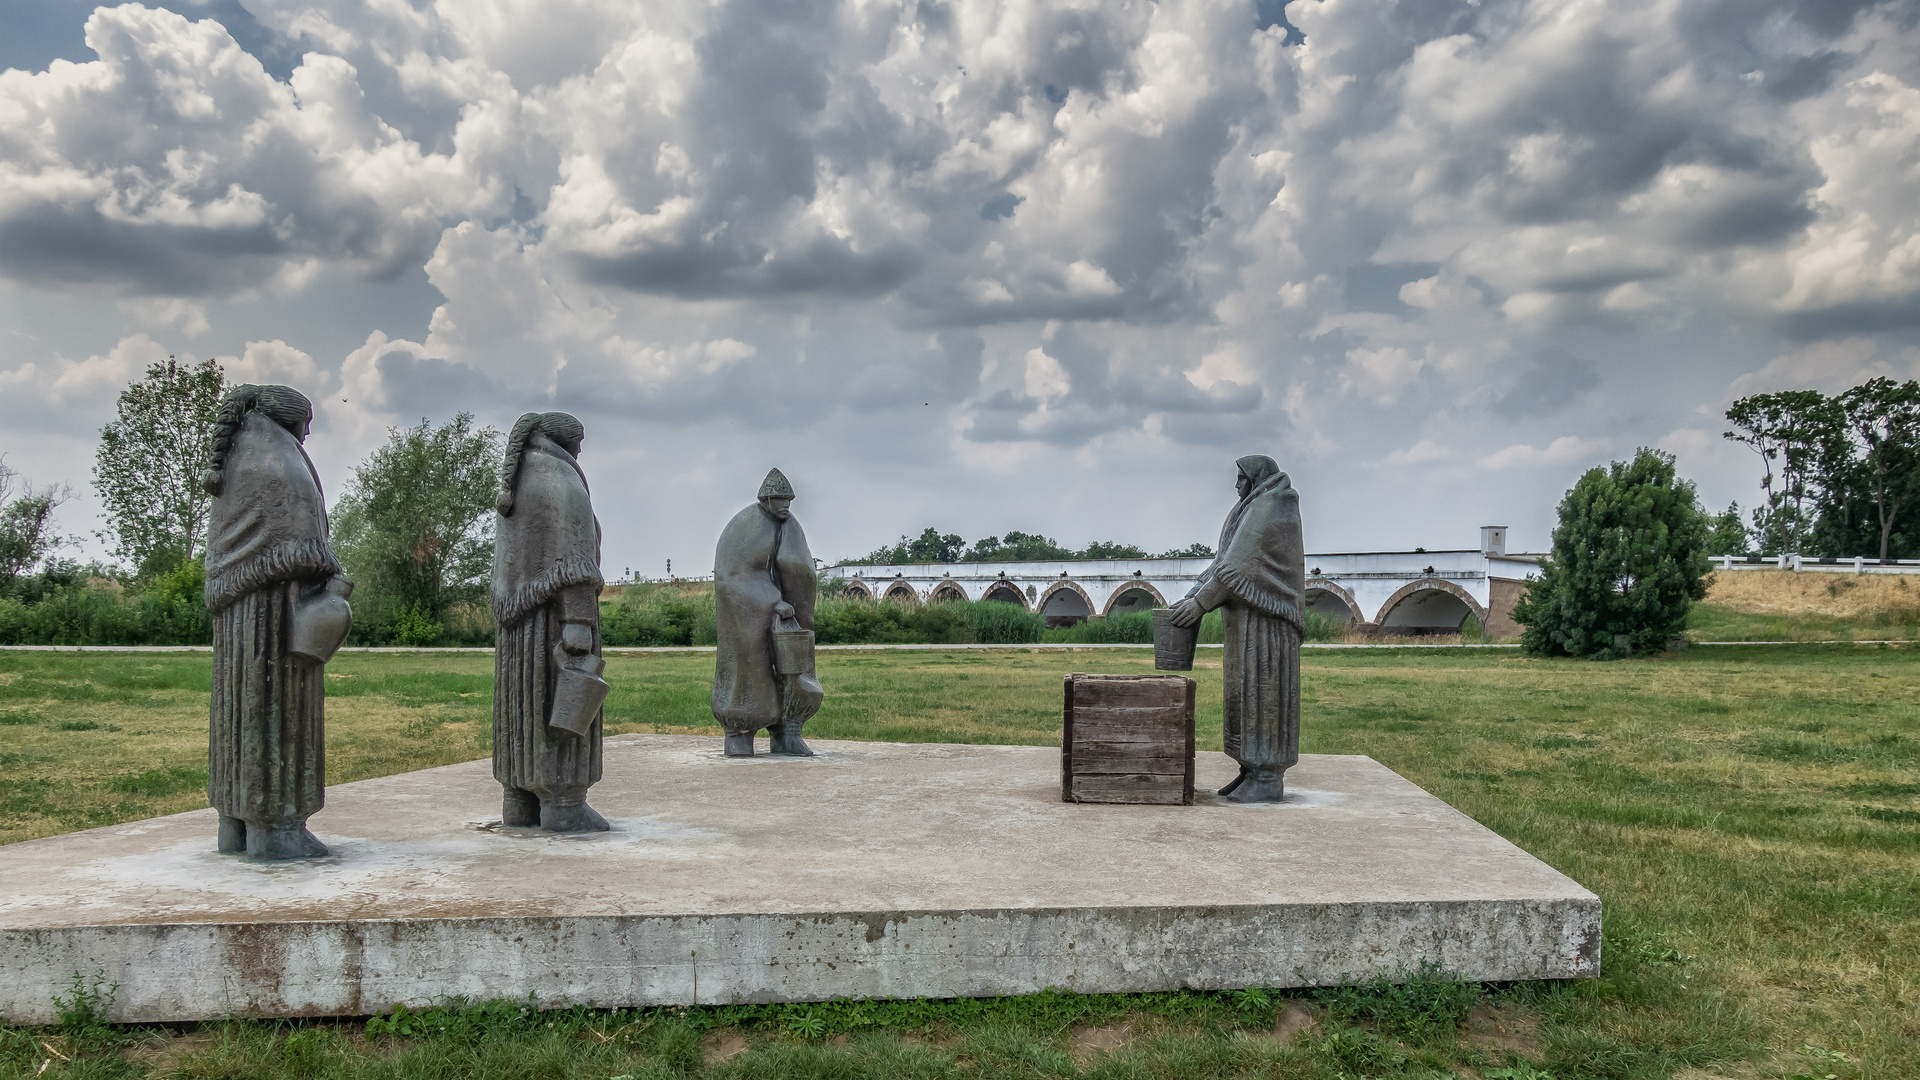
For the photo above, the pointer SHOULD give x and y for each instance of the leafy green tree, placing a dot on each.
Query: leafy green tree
(1191, 551)
(1018, 547)
(1107, 549)
(1802, 433)
(414, 529)
(27, 535)
(147, 468)
(1885, 417)
(1726, 532)
(1628, 559)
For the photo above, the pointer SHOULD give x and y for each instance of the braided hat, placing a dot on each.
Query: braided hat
(775, 486)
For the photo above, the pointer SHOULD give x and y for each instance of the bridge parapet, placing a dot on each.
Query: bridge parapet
(1381, 588)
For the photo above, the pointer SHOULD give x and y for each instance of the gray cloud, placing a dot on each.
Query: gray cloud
(936, 253)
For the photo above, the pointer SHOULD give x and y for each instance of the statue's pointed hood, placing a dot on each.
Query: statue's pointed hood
(775, 486)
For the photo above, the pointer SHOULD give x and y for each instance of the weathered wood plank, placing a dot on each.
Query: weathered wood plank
(1166, 789)
(1143, 692)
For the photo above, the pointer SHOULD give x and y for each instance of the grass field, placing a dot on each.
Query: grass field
(1750, 816)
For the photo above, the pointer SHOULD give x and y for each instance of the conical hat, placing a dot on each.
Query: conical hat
(775, 486)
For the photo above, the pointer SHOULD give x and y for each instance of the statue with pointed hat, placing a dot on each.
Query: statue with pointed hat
(763, 589)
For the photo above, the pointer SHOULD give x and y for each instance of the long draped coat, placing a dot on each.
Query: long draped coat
(1258, 581)
(546, 572)
(759, 562)
(266, 544)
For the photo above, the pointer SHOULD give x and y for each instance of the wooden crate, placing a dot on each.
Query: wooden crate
(1127, 739)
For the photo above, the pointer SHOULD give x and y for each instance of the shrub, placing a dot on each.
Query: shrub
(1628, 559)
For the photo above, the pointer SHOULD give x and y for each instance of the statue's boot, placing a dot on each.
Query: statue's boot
(519, 808)
(570, 814)
(740, 743)
(786, 740)
(1259, 786)
(233, 836)
(1237, 781)
(279, 842)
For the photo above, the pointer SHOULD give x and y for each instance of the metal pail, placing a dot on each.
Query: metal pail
(578, 693)
(321, 620)
(1173, 645)
(792, 649)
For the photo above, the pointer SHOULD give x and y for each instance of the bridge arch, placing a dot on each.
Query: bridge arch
(1429, 603)
(901, 591)
(1328, 597)
(1157, 600)
(858, 589)
(1066, 601)
(946, 590)
(1006, 592)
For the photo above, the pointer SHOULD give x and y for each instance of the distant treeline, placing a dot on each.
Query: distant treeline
(933, 546)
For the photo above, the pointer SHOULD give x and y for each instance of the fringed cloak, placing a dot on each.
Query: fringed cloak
(268, 524)
(549, 539)
(1262, 560)
(759, 562)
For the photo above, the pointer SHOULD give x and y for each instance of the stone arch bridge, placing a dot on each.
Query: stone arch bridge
(1411, 592)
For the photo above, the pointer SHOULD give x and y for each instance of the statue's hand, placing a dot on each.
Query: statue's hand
(576, 638)
(783, 610)
(1186, 612)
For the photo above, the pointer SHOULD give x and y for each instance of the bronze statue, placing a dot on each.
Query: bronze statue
(763, 590)
(547, 689)
(1259, 581)
(279, 611)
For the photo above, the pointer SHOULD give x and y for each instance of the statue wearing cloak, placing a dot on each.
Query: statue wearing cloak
(1258, 581)
(762, 575)
(546, 599)
(267, 556)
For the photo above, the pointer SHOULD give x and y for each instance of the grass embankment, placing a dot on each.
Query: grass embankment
(1751, 817)
(1812, 605)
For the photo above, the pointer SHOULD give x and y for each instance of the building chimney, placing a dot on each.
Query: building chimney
(1493, 539)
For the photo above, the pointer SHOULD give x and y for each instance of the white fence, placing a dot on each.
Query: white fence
(1859, 564)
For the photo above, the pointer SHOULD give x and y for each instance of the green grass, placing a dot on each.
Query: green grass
(1749, 815)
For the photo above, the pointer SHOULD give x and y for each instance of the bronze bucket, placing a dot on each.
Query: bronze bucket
(1173, 645)
(578, 692)
(792, 648)
(321, 620)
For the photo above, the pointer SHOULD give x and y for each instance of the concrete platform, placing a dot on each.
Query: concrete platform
(874, 869)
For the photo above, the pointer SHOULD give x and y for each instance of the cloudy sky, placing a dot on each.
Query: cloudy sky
(981, 265)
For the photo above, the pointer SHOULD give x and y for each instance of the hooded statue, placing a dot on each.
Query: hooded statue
(546, 598)
(763, 586)
(269, 568)
(1258, 581)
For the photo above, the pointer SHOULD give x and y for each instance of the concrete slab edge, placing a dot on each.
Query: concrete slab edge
(204, 971)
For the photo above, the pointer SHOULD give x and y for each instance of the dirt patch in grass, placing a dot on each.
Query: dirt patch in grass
(1294, 1020)
(1504, 1029)
(1084, 1041)
(718, 1046)
(163, 1049)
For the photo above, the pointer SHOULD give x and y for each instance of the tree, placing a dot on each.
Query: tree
(147, 469)
(414, 528)
(1108, 549)
(1018, 547)
(26, 523)
(1191, 551)
(1628, 559)
(1885, 417)
(1726, 533)
(1805, 432)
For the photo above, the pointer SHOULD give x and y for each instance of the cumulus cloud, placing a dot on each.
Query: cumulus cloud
(1005, 235)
